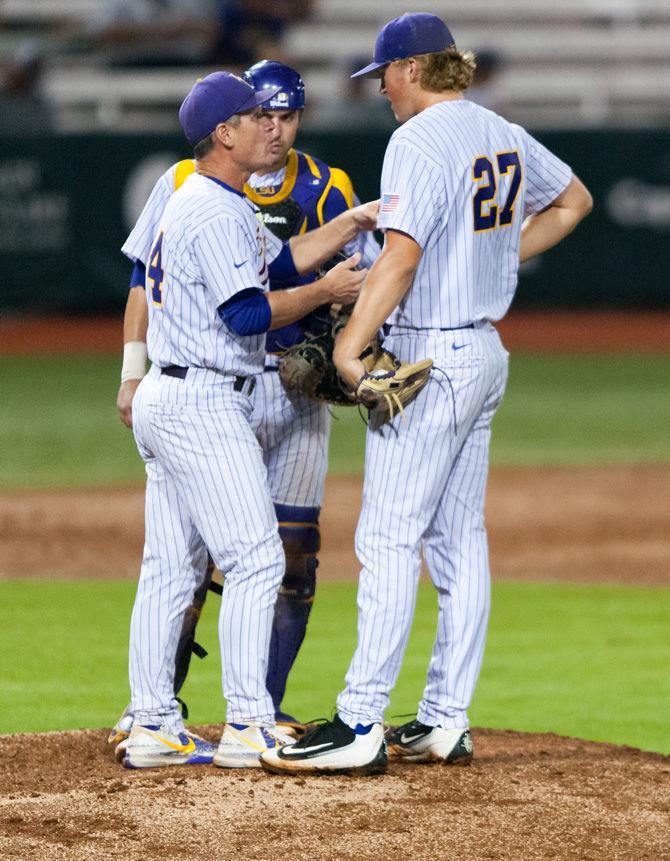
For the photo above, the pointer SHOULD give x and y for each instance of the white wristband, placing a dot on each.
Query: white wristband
(134, 361)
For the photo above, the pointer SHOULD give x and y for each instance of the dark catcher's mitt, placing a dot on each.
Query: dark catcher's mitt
(308, 367)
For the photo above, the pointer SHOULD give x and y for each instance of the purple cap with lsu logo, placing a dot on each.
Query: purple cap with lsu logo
(407, 36)
(214, 99)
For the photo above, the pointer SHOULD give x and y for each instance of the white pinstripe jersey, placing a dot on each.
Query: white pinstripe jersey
(138, 244)
(209, 246)
(459, 180)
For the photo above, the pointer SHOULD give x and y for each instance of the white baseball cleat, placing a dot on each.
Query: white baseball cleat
(418, 742)
(156, 746)
(242, 743)
(331, 748)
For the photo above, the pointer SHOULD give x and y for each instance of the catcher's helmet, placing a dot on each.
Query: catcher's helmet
(270, 74)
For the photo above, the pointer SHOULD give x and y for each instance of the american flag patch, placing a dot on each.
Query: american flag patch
(390, 202)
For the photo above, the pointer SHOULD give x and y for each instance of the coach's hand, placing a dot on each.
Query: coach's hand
(343, 282)
(124, 401)
(365, 216)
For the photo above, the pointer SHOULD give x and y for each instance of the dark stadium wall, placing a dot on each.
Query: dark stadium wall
(67, 203)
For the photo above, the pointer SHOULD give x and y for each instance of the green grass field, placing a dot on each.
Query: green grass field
(583, 661)
(579, 660)
(58, 423)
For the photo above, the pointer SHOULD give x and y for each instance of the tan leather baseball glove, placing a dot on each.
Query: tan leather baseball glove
(389, 384)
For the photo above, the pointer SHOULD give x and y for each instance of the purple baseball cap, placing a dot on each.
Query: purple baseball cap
(213, 100)
(411, 34)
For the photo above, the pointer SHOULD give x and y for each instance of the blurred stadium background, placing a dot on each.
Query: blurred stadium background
(89, 91)
(88, 121)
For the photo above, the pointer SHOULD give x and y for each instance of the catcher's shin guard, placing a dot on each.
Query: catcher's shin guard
(299, 532)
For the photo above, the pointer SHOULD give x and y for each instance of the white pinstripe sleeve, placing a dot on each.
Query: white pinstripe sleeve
(546, 176)
(412, 193)
(272, 245)
(138, 245)
(365, 242)
(227, 259)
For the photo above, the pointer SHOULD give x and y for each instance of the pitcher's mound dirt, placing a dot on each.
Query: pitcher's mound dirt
(525, 797)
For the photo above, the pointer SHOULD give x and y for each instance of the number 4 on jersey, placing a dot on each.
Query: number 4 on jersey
(487, 214)
(155, 273)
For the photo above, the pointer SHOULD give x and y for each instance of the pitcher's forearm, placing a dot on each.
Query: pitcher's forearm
(389, 280)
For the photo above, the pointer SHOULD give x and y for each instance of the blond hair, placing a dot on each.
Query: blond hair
(445, 70)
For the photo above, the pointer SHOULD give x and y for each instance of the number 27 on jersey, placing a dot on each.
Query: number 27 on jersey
(486, 172)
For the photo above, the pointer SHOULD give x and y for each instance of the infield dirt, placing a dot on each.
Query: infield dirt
(525, 797)
(569, 523)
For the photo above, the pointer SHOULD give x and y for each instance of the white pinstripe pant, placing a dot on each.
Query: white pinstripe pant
(424, 488)
(293, 432)
(205, 472)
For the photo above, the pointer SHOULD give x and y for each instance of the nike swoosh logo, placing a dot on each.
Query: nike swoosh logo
(180, 748)
(237, 265)
(458, 346)
(409, 739)
(244, 740)
(303, 750)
